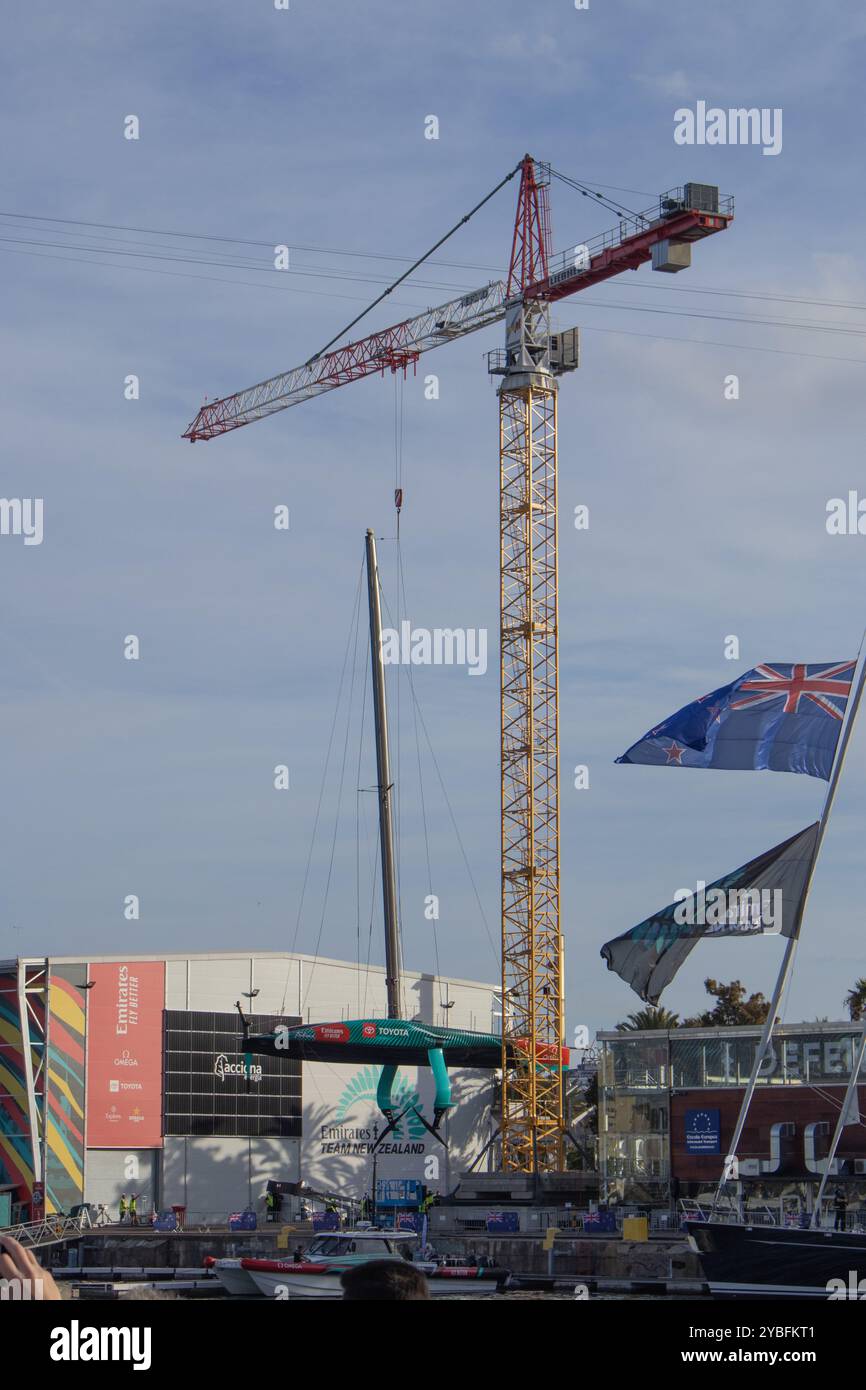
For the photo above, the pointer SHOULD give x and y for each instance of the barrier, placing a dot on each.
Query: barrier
(49, 1230)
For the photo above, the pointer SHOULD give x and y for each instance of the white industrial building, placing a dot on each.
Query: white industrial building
(147, 1088)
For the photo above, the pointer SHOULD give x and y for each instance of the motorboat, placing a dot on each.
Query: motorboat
(329, 1255)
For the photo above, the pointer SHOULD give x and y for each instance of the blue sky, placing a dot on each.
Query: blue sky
(306, 127)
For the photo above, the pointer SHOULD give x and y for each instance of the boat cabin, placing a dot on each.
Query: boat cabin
(363, 1243)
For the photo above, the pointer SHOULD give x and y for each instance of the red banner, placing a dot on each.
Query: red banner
(124, 1055)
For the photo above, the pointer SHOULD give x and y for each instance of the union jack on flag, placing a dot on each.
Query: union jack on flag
(782, 716)
(827, 686)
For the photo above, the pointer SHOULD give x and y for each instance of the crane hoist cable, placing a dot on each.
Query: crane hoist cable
(398, 449)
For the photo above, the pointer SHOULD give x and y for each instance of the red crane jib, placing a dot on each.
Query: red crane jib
(380, 351)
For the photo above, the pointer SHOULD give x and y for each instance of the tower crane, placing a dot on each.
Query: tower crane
(532, 1122)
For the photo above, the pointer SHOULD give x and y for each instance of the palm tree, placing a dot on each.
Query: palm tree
(656, 1016)
(855, 1001)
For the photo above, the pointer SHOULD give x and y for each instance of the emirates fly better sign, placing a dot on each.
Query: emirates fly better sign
(124, 1055)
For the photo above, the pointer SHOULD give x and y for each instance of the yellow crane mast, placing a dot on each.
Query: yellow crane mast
(532, 1122)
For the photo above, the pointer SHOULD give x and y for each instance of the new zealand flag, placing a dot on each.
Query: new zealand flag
(779, 717)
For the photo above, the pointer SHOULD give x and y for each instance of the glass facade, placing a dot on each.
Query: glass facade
(633, 1097)
(805, 1059)
(639, 1071)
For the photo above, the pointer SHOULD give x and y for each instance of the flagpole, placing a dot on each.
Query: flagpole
(840, 1124)
(791, 947)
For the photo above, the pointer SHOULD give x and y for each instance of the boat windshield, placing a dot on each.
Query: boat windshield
(325, 1245)
(357, 1245)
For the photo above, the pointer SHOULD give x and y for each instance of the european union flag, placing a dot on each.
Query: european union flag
(779, 717)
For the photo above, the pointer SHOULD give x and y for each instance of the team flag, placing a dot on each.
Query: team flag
(779, 717)
(761, 898)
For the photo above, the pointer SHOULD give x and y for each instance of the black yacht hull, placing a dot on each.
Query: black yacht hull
(742, 1261)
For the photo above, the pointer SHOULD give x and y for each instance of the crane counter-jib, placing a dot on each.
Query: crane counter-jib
(633, 242)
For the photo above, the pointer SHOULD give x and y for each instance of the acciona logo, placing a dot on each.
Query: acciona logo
(222, 1068)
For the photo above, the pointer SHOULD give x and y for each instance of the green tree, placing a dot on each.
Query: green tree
(855, 1001)
(732, 1008)
(653, 1017)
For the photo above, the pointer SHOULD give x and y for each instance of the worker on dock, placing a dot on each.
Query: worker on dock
(122, 1208)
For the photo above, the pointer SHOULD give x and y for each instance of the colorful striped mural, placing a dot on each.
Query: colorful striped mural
(16, 1157)
(64, 1161)
(66, 1035)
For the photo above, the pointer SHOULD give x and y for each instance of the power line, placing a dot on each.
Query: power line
(646, 284)
(387, 256)
(812, 325)
(736, 347)
(843, 329)
(232, 241)
(307, 272)
(324, 294)
(187, 275)
(809, 326)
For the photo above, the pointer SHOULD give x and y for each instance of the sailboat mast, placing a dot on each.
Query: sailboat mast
(791, 944)
(849, 1104)
(384, 787)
